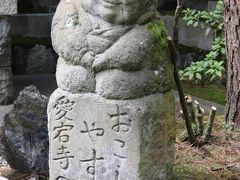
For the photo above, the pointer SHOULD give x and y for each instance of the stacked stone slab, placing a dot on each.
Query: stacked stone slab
(7, 7)
(112, 117)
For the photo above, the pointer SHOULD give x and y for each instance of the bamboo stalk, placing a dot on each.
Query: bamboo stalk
(192, 115)
(199, 114)
(208, 131)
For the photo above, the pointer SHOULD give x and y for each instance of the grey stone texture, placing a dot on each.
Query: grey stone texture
(6, 86)
(40, 60)
(110, 139)
(190, 36)
(8, 7)
(112, 117)
(24, 134)
(5, 42)
(31, 33)
(94, 44)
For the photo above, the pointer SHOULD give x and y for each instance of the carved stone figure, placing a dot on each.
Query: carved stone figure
(113, 74)
(102, 43)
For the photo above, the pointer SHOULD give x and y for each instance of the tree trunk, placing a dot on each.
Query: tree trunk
(232, 26)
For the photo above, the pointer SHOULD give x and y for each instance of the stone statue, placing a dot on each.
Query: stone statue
(105, 47)
(111, 66)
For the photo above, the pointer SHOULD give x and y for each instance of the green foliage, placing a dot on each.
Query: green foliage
(212, 66)
(195, 72)
(212, 20)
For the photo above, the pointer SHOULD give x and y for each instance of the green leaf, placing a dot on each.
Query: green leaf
(190, 22)
(212, 78)
(198, 76)
(219, 73)
(191, 76)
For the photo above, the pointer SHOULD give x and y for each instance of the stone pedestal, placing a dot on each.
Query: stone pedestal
(7, 7)
(94, 138)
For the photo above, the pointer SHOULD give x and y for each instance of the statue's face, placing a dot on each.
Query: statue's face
(116, 11)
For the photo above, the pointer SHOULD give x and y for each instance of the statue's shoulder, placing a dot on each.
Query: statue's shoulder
(70, 14)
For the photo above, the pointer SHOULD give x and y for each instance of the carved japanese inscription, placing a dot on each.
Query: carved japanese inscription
(94, 142)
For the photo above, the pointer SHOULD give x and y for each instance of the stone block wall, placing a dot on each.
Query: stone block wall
(37, 6)
(32, 49)
(7, 7)
(190, 36)
(34, 28)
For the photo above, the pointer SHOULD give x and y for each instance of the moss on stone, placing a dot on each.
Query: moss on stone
(159, 31)
(161, 49)
(186, 172)
(157, 139)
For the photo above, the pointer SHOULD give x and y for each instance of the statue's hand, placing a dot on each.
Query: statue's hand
(100, 63)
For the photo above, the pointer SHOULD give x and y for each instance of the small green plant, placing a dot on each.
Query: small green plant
(195, 72)
(212, 66)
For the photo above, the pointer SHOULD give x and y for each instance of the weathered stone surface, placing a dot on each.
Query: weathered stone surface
(112, 117)
(117, 84)
(40, 59)
(39, 26)
(74, 78)
(6, 88)
(24, 135)
(95, 138)
(8, 7)
(187, 34)
(5, 42)
(99, 43)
